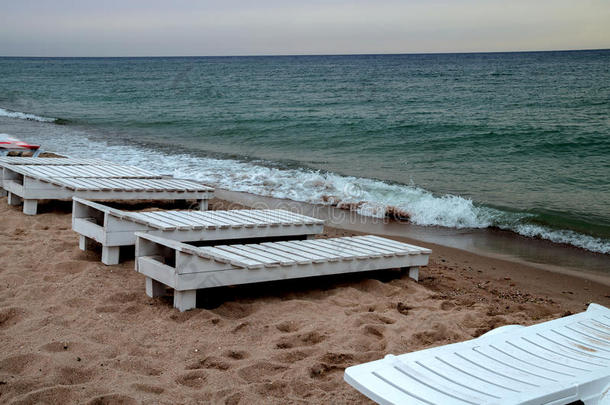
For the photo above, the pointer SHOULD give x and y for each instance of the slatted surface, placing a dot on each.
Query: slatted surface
(178, 185)
(510, 367)
(196, 220)
(275, 254)
(82, 171)
(19, 160)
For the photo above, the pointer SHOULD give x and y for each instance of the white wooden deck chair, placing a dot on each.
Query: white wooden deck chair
(555, 362)
(114, 228)
(187, 268)
(29, 189)
(19, 160)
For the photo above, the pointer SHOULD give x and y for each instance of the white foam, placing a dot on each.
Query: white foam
(564, 236)
(24, 116)
(372, 197)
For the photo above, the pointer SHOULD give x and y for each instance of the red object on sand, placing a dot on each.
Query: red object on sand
(8, 142)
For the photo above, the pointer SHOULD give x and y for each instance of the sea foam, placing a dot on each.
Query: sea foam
(368, 197)
(25, 116)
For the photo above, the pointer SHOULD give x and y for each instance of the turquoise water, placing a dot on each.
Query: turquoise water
(519, 141)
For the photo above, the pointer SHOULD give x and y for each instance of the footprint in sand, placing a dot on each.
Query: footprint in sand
(193, 379)
(21, 363)
(304, 339)
(288, 326)
(11, 316)
(50, 395)
(113, 399)
(235, 354)
(211, 362)
(291, 357)
(260, 371)
(150, 389)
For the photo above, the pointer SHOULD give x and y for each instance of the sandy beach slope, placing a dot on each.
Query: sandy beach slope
(75, 331)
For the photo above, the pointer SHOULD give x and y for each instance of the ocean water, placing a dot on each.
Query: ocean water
(518, 141)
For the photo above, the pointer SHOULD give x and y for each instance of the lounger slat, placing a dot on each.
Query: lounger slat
(580, 342)
(526, 365)
(325, 248)
(312, 250)
(409, 385)
(341, 251)
(247, 253)
(357, 247)
(175, 220)
(381, 248)
(273, 252)
(585, 357)
(234, 259)
(153, 221)
(84, 171)
(391, 243)
(282, 246)
(260, 218)
(261, 251)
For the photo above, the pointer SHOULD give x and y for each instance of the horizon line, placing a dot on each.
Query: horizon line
(311, 54)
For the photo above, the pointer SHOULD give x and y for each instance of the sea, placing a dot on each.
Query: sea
(513, 141)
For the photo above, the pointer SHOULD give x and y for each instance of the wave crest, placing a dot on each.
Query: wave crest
(25, 116)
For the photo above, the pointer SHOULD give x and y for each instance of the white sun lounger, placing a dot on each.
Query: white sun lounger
(187, 268)
(555, 362)
(30, 189)
(114, 228)
(19, 160)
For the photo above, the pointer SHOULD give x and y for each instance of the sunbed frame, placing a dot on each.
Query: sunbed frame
(555, 362)
(114, 228)
(187, 268)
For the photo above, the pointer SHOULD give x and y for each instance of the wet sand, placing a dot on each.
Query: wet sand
(75, 331)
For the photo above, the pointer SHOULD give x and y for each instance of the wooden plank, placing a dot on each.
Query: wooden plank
(245, 253)
(226, 256)
(344, 252)
(311, 250)
(272, 251)
(258, 251)
(282, 246)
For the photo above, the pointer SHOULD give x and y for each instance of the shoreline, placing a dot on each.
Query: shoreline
(492, 243)
(77, 331)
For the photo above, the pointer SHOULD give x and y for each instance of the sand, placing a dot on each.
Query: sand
(75, 331)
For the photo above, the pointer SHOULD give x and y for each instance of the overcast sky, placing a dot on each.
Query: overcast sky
(241, 27)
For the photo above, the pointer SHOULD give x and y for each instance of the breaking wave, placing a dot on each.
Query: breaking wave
(26, 116)
(368, 197)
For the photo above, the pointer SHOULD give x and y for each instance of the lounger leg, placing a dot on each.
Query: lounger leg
(83, 242)
(154, 288)
(30, 207)
(185, 300)
(414, 273)
(14, 199)
(203, 205)
(110, 255)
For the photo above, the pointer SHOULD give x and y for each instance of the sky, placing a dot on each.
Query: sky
(242, 27)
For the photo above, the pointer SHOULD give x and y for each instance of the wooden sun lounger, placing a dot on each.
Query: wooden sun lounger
(555, 362)
(30, 189)
(114, 228)
(19, 160)
(186, 268)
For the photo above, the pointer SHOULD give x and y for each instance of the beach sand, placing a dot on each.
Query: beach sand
(75, 331)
